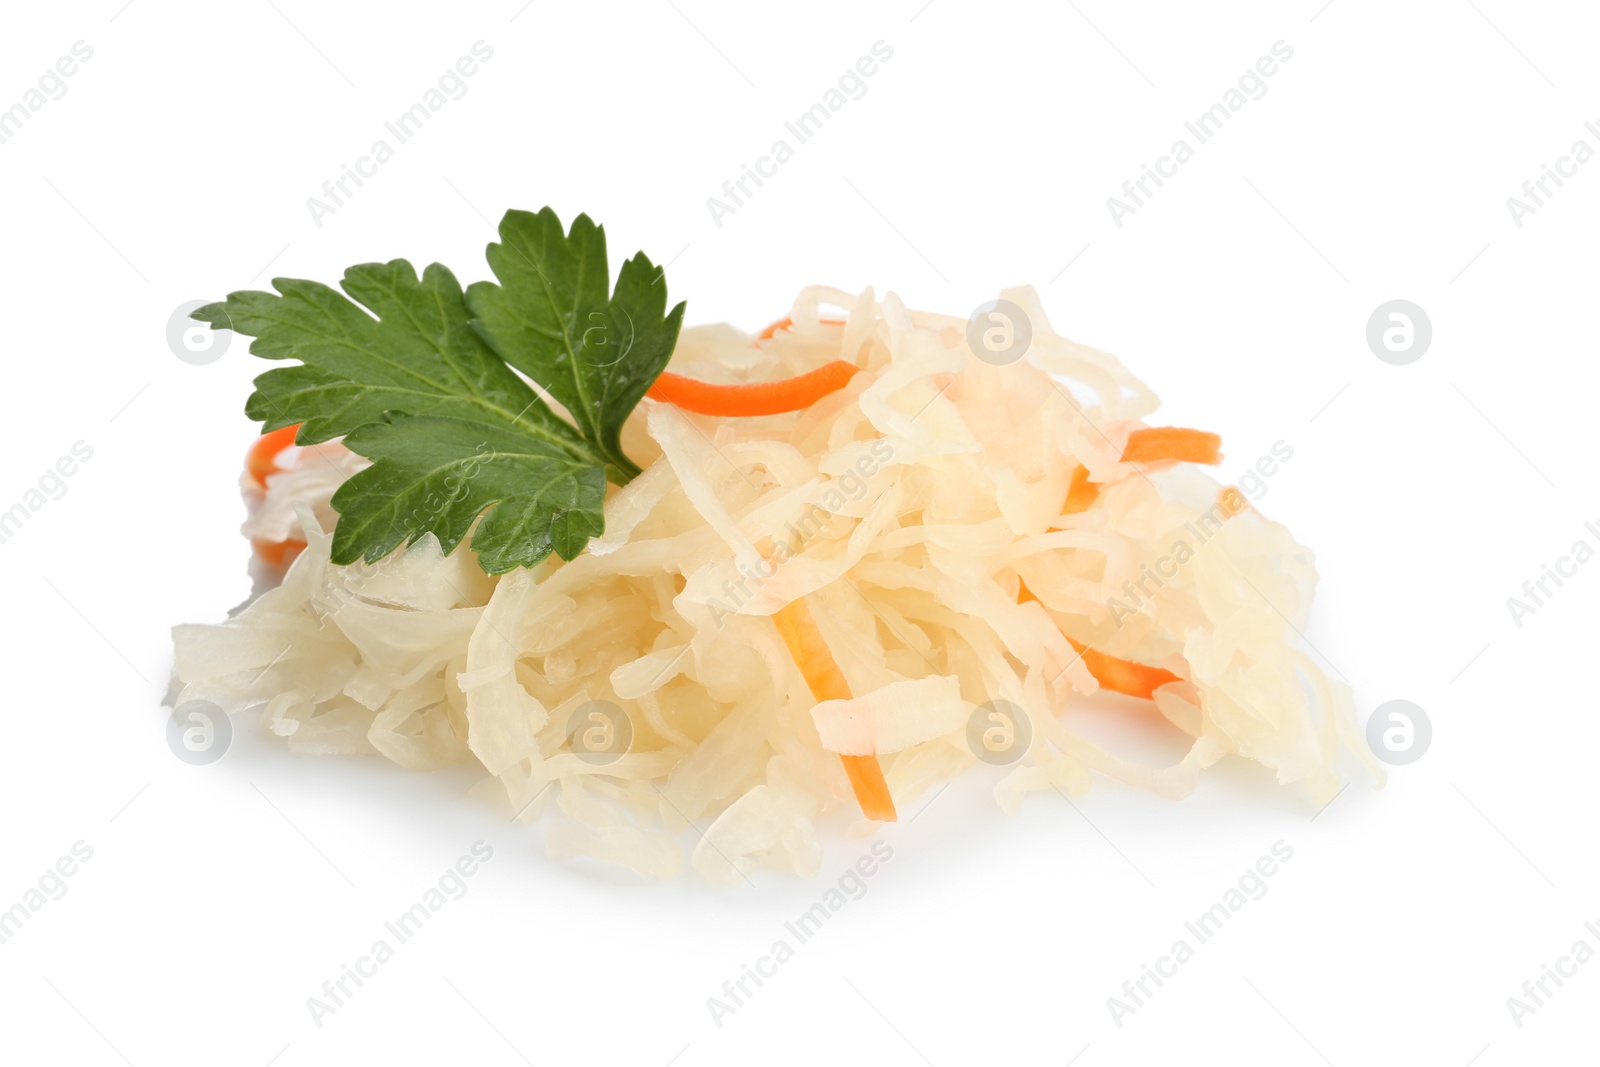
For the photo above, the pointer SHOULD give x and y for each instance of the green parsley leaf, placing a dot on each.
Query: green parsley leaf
(550, 317)
(399, 368)
(437, 474)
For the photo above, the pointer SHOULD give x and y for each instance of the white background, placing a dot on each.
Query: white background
(218, 899)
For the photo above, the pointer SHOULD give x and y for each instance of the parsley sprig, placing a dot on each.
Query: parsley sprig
(433, 386)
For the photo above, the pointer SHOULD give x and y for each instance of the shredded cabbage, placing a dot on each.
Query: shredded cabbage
(909, 507)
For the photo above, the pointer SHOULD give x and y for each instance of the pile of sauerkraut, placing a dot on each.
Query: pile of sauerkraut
(908, 507)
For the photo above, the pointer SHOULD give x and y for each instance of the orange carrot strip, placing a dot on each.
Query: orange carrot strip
(262, 458)
(1118, 675)
(259, 462)
(276, 553)
(782, 324)
(1081, 493)
(787, 323)
(1121, 675)
(1148, 446)
(826, 682)
(756, 398)
(811, 653)
(871, 790)
(1171, 442)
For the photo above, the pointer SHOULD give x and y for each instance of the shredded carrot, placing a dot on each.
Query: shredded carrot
(262, 458)
(1147, 446)
(826, 682)
(259, 462)
(1121, 675)
(1231, 501)
(1081, 493)
(756, 398)
(1118, 675)
(1171, 442)
(277, 553)
(872, 792)
(787, 323)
